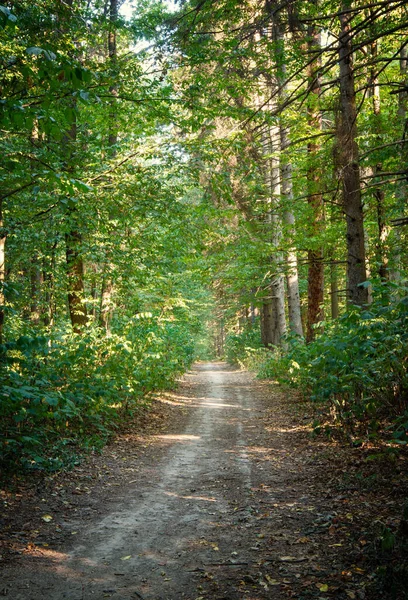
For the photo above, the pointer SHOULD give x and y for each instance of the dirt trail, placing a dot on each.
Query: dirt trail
(220, 508)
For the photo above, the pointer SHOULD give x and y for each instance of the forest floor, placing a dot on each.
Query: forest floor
(220, 492)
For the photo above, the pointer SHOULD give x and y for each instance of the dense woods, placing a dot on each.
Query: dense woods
(208, 180)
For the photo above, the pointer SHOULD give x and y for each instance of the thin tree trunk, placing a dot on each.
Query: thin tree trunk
(349, 165)
(379, 196)
(274, 318)
(292, 275)
(334, 291)
(277, 283)
(3, 237)
(75, 275)
(74, 261)
(48, 277)
(395, 270)
(73, 238)
(315, 281)
(36, 281)
(106, 308)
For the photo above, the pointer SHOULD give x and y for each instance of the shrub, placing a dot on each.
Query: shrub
(245, 349)
(67, 392)
(358, 366)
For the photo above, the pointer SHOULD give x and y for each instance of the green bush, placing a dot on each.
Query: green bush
(358, 366)
(67, 392)
(245, 349)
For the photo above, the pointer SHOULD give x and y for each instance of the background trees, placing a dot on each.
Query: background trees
(319, 73)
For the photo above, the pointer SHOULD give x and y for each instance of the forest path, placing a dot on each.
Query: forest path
(221, 507)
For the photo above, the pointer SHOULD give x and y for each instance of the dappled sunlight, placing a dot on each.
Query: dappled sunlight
(297, 429)
(34, 550)
(177, 438)
(202, 498)
(214, 401)
(212, 404)
(61, 563)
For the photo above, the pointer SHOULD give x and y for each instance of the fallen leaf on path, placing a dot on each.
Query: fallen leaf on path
(47, 518)
(272, 581)
(126, 557)
(322, 587)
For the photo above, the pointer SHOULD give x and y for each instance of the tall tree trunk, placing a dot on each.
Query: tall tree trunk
(36, 280)
(379, 196)
(75, 274)
(292, 274)
(73, 237)
(3, 236)
(315, 280)
(106, 310)
(274, 307)
(74, 260)
(334, 291)
(395, 271)
(48, 278)
(349, 165)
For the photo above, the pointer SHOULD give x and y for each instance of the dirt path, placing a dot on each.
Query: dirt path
(220, 507)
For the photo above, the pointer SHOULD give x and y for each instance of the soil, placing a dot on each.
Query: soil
(219, 492)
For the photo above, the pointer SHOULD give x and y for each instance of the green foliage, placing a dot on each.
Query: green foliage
(62, 393)
(358, 366)
(245, 349)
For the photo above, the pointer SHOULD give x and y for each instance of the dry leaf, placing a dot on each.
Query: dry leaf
(47, 518)
(271, 581)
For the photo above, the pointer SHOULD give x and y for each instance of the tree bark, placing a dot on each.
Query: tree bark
(395, 270)
(292, 274)
(274, 305)
(75, 275)
(73, 237)
(315, 280)
(379, 196)
(36, 280)
(349, 165)
(74, 259)
(106, 307)
(334, 291)
(3, 237)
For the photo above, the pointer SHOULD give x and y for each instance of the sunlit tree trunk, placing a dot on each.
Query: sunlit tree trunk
(273, 310)
(349, 165)
(106, 309)
(379, 196)
(315, 280)
(395, 271)
(292, 275)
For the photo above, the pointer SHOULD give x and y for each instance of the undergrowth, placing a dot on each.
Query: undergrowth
(64, 394)
(357, 370)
